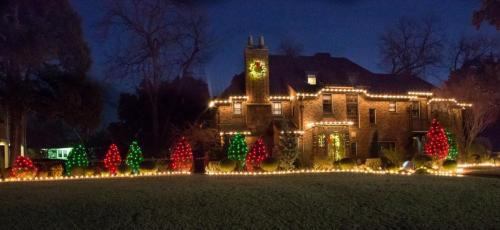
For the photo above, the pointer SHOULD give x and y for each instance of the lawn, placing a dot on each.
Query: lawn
(337, 200)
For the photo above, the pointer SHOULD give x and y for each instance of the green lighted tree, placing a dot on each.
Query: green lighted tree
(134, 157)
(453, 149)
(238, 149)
(76, 158)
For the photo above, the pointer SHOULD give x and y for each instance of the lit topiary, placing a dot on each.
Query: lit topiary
(112, 159)
(23, 167)
(238, 149)
(437, 142)
(76, 158)
(257, 154)
(182, 156)
(134, 157)
(453, 149)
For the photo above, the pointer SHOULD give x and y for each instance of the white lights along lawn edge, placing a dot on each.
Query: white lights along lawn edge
(93, 177)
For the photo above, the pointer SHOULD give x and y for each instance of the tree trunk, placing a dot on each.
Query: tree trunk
(17, 122)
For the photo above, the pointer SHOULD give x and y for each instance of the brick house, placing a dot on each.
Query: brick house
(336, 107)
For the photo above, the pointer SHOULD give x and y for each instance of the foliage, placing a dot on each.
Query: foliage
(258, 153)
(347, 163)
(453, 150)
(124, 169)
(396, 158)
(23, 167)
(422, 171)
(322, 163)
(450, 165)
(227, 165)
(270, 164)
(182, 156)
(112, 159)
(238, 149)
(437, 141)
(56, 170)
(373, 163)
(288, 150)
(489, 12)
(78, 171)
(134, 157)
(149, 166)
(42, 173)
(76, 158)
(422, 161)
(213, 166)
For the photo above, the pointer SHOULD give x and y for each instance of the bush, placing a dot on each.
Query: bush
(269, 165)
(162, 166)
(374, 163)
(227, 165)
(422, 161)
(42, 173)
(213, 166)
(347, 163)
(124, 169)
(93, 171)
(450, 165)
(78, 171)
(148, 167)
(396, 158)
(421, 171)
(322, 163)
(56, 170)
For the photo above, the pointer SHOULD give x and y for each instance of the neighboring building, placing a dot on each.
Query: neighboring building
(4, 138)
(336, 107)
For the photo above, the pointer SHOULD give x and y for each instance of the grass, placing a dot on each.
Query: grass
(261, 202)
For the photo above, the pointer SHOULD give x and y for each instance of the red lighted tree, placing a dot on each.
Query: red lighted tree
(23, 167)
(182, 156)
(112, 159)
(257, 154)
(437, 141)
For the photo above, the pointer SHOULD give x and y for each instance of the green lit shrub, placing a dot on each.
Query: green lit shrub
(374, 163)
(347, 163)
(269, 165)
(322, 163)
(227, 165)
(422, 161)
(450, 165)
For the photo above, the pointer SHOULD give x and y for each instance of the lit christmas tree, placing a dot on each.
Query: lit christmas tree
(112, 159)
(453, 149)
(289, 153)
(134, 157)
(437, 142)
(77, 157)
(23, 167)
(182, 156)
(257, 154)
(238, 149)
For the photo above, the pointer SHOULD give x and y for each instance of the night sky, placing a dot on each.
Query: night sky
(341, 27)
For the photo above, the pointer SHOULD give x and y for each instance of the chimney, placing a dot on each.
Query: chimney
(261, 42)
(250, 41)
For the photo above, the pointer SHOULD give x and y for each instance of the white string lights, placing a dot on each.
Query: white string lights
(93, 177)
(314, 171)
(329, 123)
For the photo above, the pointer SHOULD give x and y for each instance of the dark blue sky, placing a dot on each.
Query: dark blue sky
(341, 27)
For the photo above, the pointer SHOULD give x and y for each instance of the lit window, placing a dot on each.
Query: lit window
(327, 103)
(392, 106)
(276, 108)
(237, 108)
(311, 79)
(373, 116)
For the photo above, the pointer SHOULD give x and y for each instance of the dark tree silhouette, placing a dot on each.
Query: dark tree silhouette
(490, 12)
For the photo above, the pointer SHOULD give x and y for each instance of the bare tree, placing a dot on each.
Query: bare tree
(472, 48)
(412, 46)
(155, 40)
(476, 82)
(490, 11)
(290, 47)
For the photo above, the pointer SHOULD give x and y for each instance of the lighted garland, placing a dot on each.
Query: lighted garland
(453, 149)
(257, 68)
(182, 156)
(23, 167)
(257, 154)
(437, 141)
(76, 158)
(134, 157)
(238, 149)
(112, 159)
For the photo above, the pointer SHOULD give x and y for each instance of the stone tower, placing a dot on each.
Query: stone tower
(257, 86)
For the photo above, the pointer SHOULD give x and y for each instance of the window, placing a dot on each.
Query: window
(327, 103)
(276, 108)
(352, 108)
(373, 116)
(311, 79)
(389, 145)
(415, 109)
(392, 106)
(237, 108)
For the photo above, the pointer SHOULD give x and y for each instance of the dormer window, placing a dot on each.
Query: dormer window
(311, 79)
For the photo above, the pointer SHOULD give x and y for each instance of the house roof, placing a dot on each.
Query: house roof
(291, 71)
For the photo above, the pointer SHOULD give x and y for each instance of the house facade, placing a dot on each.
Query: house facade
(335, 107)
